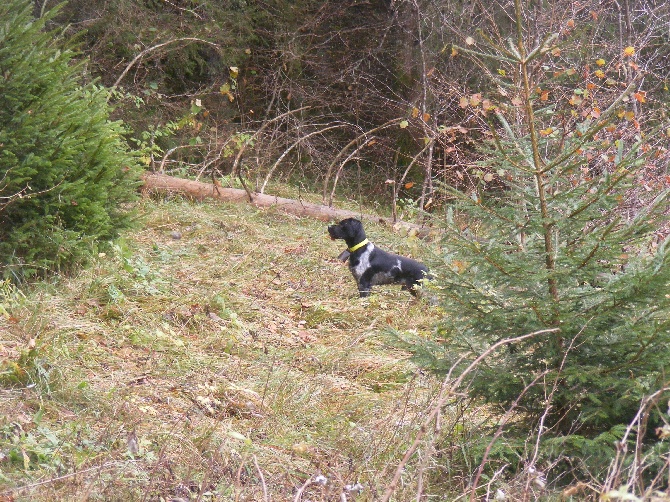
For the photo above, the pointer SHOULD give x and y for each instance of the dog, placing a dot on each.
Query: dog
(372, 266)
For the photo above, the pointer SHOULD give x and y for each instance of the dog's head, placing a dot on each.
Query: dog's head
(351, 230)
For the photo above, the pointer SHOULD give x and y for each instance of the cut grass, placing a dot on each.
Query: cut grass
(220, 353)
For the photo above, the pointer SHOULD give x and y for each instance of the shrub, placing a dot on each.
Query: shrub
(66, 173)
(553, 251)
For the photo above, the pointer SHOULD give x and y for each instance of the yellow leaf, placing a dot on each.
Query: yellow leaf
(575, 100)
(600, 62)
(415, 112)
(599, 74)
(502, 72)
(300, 448)
(570, 71)
(454, 52)
(470, 41)
(463, 102)
(403, 124)
(547, 131)
(629, 115)
(237, 435)
(26, 459)
(556, 52)
(629, 51)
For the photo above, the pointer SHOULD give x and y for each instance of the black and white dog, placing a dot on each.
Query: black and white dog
(370, 265)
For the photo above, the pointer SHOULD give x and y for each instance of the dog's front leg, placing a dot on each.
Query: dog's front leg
(364, 288)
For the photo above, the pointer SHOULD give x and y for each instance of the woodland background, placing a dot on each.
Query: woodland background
(370, 95)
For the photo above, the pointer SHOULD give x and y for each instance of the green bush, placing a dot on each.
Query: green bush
(66, 173)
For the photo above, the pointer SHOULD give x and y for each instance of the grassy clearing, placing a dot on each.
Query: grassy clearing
(221, 353)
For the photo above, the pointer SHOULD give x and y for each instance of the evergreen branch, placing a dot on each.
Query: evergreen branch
(511, 54)
(517, 144)
(540, 49)
(591, 132)
(595, 249)
(598, 195)
(464, 197)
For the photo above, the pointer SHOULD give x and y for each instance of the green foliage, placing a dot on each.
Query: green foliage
(66, 174)
(556, 253)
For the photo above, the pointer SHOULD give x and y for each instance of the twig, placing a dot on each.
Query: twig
(102, 467)
(153, 48)
(329, 170)
(238, 482)
(260, 474)
(446, 392)
(296, 143)
(298, 494)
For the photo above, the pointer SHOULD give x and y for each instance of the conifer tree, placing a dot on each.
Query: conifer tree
(66, 173)
(555, 252)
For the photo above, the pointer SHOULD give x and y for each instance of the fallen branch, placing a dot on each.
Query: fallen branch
(200, 190)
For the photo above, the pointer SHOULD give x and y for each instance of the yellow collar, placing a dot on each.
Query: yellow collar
(359, 245)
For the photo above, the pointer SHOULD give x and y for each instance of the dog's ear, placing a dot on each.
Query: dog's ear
(344, 256)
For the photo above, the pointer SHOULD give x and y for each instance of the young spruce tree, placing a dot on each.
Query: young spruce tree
(66, 174)
(554, 252)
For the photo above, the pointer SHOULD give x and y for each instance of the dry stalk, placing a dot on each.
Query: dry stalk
(446, 392)
(260, 474)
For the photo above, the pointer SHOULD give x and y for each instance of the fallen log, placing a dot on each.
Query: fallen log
(199, 190)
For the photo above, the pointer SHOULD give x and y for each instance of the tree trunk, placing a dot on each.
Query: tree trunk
(199, 190)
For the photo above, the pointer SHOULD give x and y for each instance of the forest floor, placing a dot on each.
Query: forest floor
(221, 352)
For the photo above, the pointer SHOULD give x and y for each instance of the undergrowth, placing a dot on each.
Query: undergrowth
(220, 353)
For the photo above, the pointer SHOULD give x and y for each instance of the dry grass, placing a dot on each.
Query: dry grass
(221, 353)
